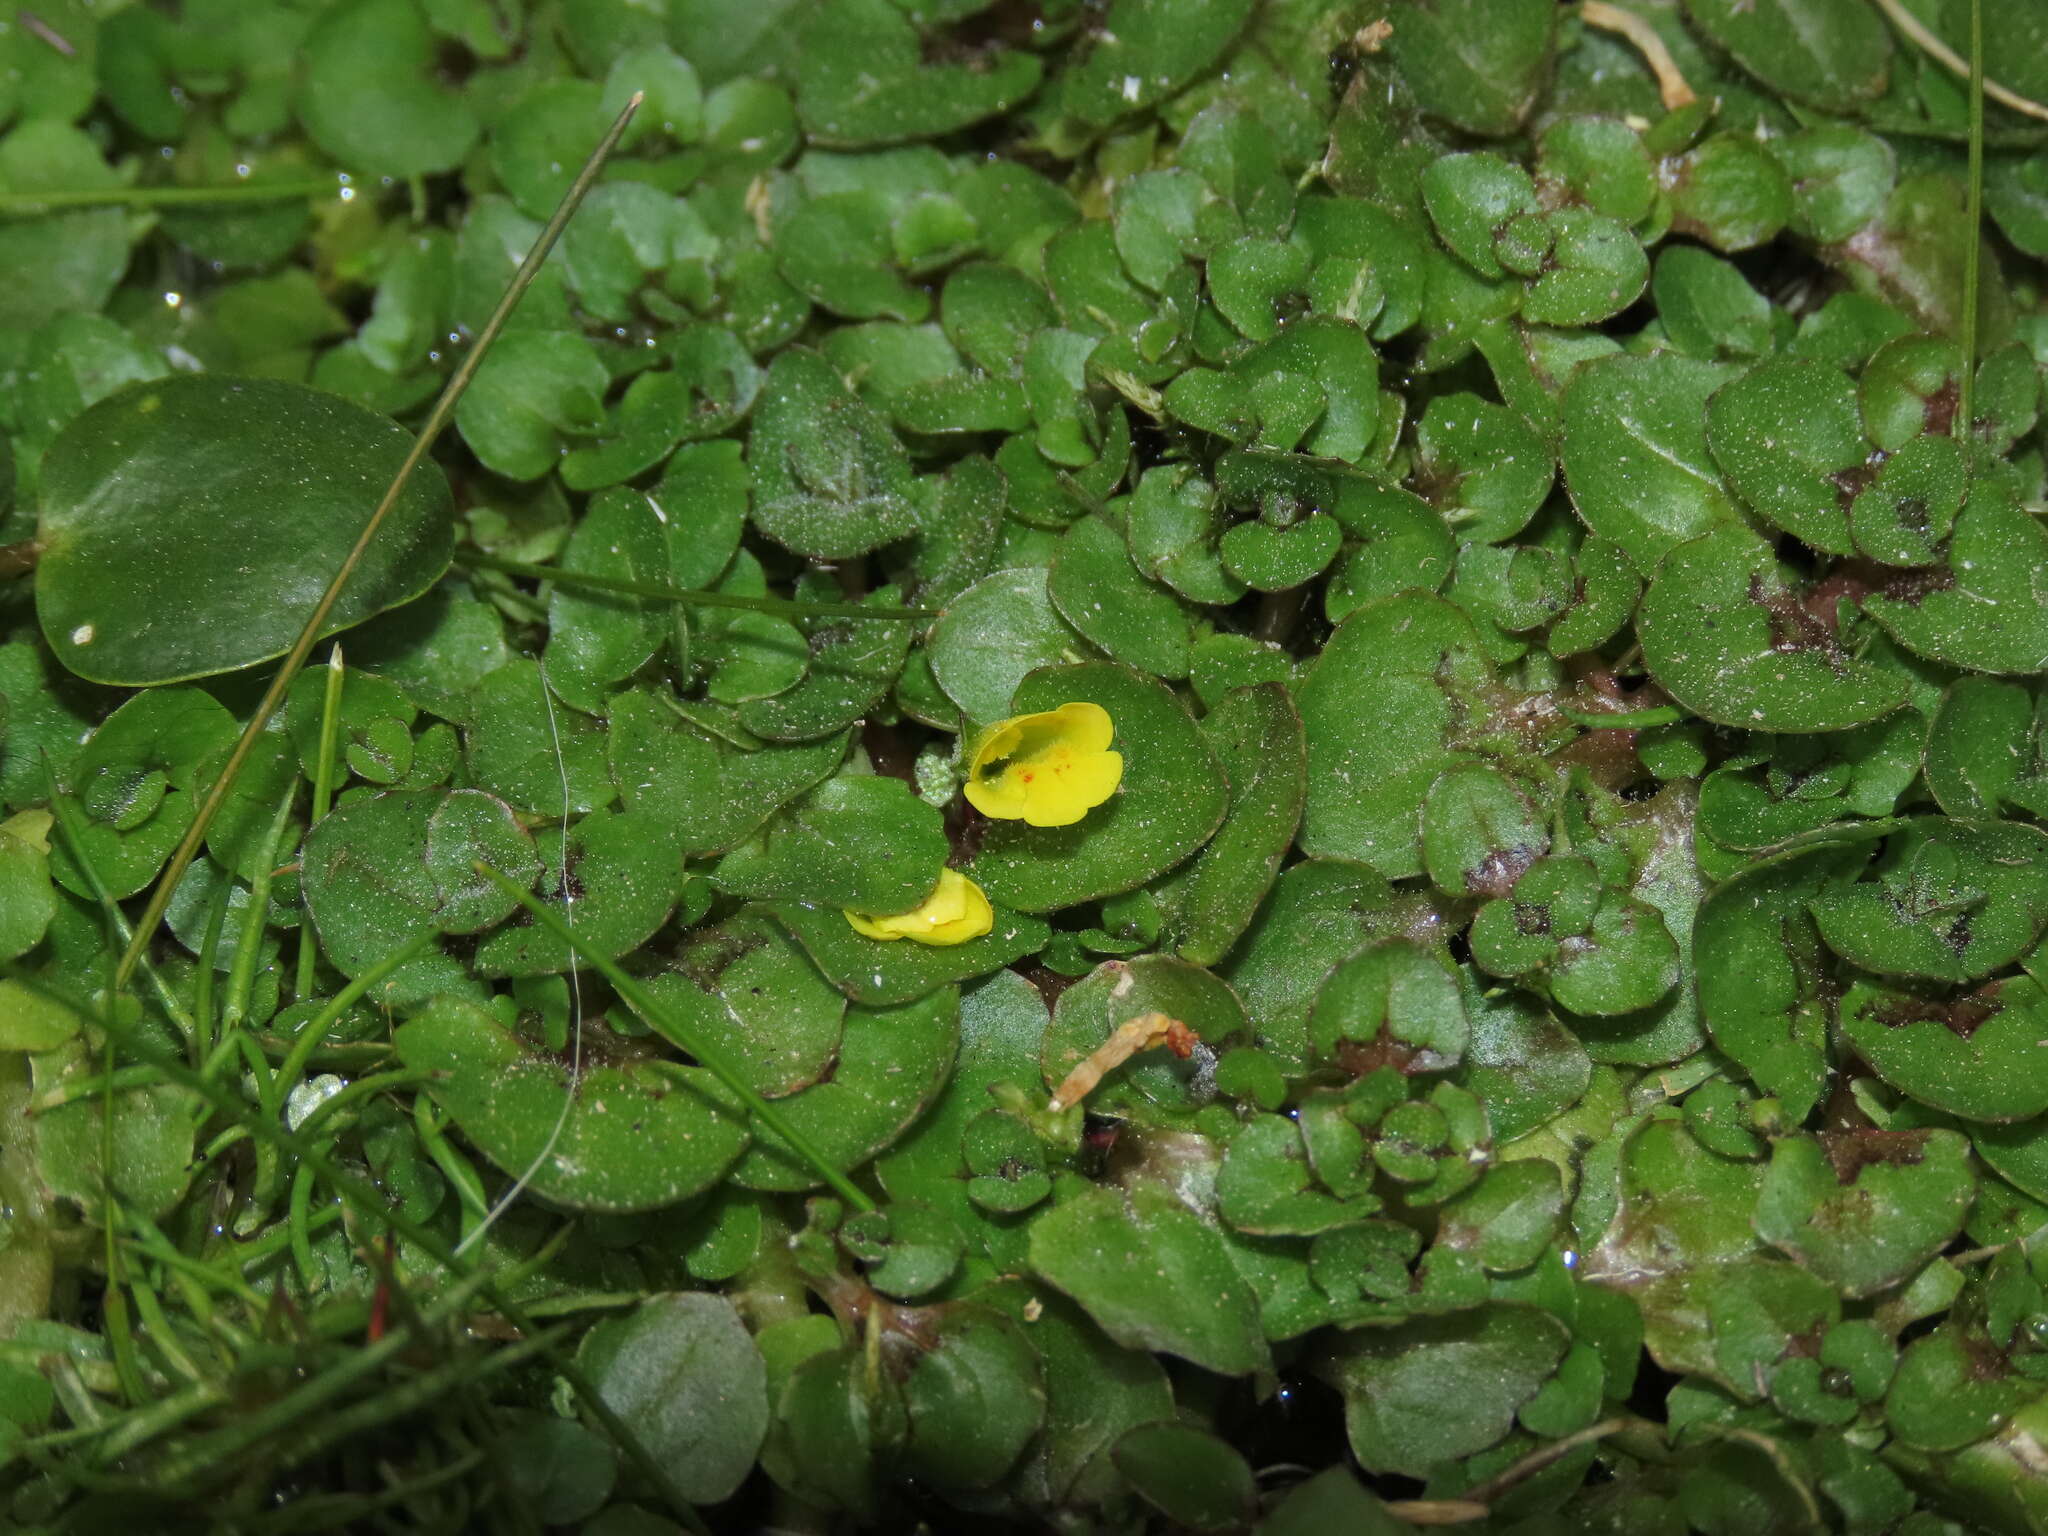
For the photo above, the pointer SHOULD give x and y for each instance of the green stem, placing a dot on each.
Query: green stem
(664, 1023)
(316, 622)
(1630, 720)
(27, 204)
(249, 942)
(781, 607)
(323, 801)
(1973, 221)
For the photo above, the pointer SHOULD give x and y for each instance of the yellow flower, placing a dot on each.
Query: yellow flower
(956, 911)
(1049, 770)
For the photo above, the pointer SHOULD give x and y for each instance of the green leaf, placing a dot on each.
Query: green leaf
(1978, 610)
(1153, 1275)
(371, 99)
(1194, 1478)
(1423, 1394)
(1765, 991)
(993, 635)
(522, 747)
(1475, 63)
(853, 664)
(712, 794)
(536, 147)
(1144, 51)
(1257, 734)
(635, 1136)
(62, 262)
(1378, 707)
(880, 974)
(1728, 192)
(536, 390)
(1635, 452)
(1708, 307)
(683, 1371)
(891, 1064)
(1481, 466)
(1265, 1186)
(1727, 635)
(1508, 1219)
(158, 515)
(865, 77)
(1172, 799)
(745, 984)
(858, 841)
(624, 877)
(1393, 995)
(1098, 589)
(830, 478)
(1950, 901)
(973, 1399)
(1788, 436)
(1830, 54)
(1864, 1209)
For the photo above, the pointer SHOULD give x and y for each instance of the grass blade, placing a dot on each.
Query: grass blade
(1973, 246)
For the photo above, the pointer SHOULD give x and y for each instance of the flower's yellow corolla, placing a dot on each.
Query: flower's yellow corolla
(1049, 770)
(957, 910)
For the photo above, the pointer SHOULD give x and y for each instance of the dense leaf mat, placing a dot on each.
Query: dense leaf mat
(1547, 1031)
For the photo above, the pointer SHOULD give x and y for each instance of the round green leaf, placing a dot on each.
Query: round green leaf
(973, 1398)
(1419, 1396)
(1153, 1275)
(1982, 610)
(881, 973)
(994, 634)
(1831, 54)
(1865, 1209)
(1635, 452)
(1790, 439)
(1257, 734)
(861, 841)
(1099, 590)
(371, 99)
(892, 1062)
(1195, 1479)
(160, 555)
(636, 1136)
(1727, 635)
(682, 1369)
(1977, 1056)
(1481, 466)
(624, 878)
(1379, 707)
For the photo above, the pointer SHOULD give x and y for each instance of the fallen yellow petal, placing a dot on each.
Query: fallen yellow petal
(956, 911)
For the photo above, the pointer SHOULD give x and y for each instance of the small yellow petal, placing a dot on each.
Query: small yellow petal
(1087, 726)
(873, 928)
(1075, 789)
(1002, 799)
(956, 911)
